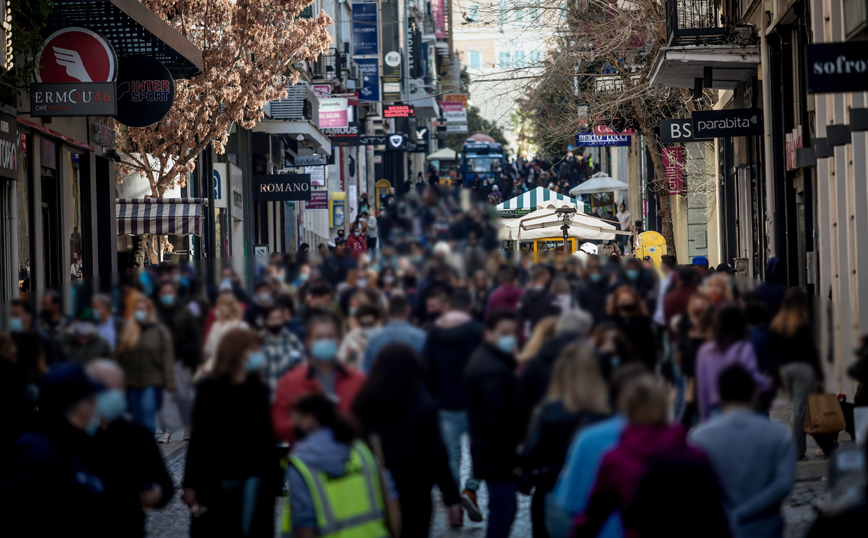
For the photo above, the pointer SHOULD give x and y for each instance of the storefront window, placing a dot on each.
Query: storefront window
(75, 263)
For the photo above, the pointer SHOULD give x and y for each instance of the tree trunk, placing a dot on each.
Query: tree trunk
(661, 187)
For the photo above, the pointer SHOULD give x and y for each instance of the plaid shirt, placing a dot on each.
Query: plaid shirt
(282, 353)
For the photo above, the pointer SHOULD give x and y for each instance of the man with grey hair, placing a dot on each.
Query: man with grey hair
(571, 327)
(108, 326)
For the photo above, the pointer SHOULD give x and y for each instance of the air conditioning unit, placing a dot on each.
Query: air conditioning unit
(350, 84)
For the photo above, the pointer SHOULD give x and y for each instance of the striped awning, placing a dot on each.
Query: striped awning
(532, 200)
(160, 216)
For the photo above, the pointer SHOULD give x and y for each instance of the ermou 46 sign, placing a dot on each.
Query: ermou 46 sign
(84, 99)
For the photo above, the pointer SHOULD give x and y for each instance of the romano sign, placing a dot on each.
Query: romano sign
(723, 123)
(837, 67)
(281, 187)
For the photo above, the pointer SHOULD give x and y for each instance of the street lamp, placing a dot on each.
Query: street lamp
(566, 214)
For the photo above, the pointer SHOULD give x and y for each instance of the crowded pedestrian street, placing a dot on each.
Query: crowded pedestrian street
(442, 268)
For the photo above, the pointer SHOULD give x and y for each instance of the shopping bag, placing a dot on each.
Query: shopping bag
(824, 415)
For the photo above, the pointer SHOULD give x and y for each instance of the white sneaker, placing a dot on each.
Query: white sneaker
(164, 438)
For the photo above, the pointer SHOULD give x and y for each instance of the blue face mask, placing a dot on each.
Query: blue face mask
(167, 299)
(507, 344)
(632, 274)
(141, 316)
(324, 350)
(111, 404)
(16, 325)
(255, 361)
(185, 282)
(596, 277)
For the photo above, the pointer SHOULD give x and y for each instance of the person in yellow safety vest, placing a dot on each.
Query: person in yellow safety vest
(334, 482)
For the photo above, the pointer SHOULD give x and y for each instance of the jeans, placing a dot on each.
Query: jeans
(181, 399)
(798, 379)
(453, 426)
(558, 520)
(501, 508)
(144, 404)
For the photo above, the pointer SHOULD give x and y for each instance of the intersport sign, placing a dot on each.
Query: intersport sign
(723, 123)
(837, 67)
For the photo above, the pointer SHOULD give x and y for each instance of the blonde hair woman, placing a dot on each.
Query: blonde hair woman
(229, 316)
(718, 289)
(544, 330)
(145, 353)
(577, 396)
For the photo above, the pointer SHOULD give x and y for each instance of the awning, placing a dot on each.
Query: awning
(425, 105)
(533, 200)
(311, 134)
(161, 216)
(444, 154)
(599, 182)
(545, 222)
(132, 29)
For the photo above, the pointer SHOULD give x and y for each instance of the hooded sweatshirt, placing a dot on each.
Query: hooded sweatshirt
(773, 289)
(448, 348)
(624, 467)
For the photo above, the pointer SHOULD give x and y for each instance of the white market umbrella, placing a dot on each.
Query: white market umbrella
(599, 183)
(444, 154)
(545, 222)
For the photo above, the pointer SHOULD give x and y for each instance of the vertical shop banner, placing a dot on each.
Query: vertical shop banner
(8, 146)
(392, 76)
(673, 163)
(450, 76)
(439, 8)
(370, 68)
(365, 29)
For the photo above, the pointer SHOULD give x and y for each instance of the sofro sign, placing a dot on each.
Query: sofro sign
(722, 123)
(281, 187)
(837, 67)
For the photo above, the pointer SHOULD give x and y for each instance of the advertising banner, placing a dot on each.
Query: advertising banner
(455, 116)
(319, 201)
(456, 128)
(451, 106)
(281, 187)
(392, 76)
(595, 141)
(673, 162)
(722, 123)
(365, 29)
(333, 113)
(73, 99)
(456, 98)
(146, 91)
(370, 68)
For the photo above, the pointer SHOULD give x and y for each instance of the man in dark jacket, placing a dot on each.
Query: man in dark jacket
(451, 342)
(492, 413)
(675, 304)
(83, 344)
(118, 442)
(773, 289)
(594, 294)
(263, 299)
(538, 302)
(56, 460)
(187, 345)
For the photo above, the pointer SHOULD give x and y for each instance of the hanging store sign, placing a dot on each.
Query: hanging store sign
(319, 201)
(596, 141)
(77, 54)
(8, 146)
(221, 180)
(370, 71)
(455, 116)
(392, 76)
(79, 99)
(456, 98)
(281, 187)
(837, 67)
(456, 128)
(673, 163)
(345, 136)
(146, 91)
(399, 111)
(365, 29)
(333, 113)
(677, 131)
(310, 160)
(723, 123)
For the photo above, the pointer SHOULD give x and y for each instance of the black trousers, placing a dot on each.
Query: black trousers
(538, 512)
(415, 512)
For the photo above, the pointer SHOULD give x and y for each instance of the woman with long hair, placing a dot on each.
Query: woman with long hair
(577, 397)
(797, 358)
(628, 313)
(729, 345)
(229, 316)
(395, 407)
(146, 354)
(230, 482)
(613, 349)
(718, 289)
(543, 331)
(692, 330)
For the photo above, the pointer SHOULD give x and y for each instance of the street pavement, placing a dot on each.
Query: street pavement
(173, 521)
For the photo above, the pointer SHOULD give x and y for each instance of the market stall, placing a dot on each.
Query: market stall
(600, 190)
(529, 201)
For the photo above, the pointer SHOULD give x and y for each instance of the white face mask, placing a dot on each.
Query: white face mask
(83, 328)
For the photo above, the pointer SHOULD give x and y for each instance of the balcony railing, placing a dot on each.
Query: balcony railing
(300, 104)
(698, 22)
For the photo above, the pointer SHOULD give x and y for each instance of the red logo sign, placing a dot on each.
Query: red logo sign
(77, 55)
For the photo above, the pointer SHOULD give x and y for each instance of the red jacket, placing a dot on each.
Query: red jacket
(357, 245)
(301, 382)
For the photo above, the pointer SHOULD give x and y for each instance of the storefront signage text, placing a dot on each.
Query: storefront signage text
(8, 147)
(146, 91)
(281, 187)
(837, 67)
(73, 99)
(723, 123)
(593, 141)
(399, 111)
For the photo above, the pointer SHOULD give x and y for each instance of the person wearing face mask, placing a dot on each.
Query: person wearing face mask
(231, 491)
(371, 223)
(52, 321)
(398, 329)
(118, 441)
(628, 313)
(83, 344)
(263, 299)
(175, 315)
(593, 293)
(492, 408)
(353, 346)
(283, 350)
(322, 373)
(356, 242)
(57, 458)
(608, 248)
(146, 354)
(341, 238)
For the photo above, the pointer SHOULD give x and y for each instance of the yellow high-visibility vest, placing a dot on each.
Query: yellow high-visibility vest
(347, 506)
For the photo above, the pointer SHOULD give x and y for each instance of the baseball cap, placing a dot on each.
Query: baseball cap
(67, 384)
(725, 268)
(699, 260)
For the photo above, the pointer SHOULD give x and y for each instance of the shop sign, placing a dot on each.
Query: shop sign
(333, 113)
(456, 98)
(673, 163)
(281, 187)
(399, 111)
(73, 99)
(396, 142)
(392, 76)
(146, 91)
(77, 54)
(677, 130)
(236, 177)
(345, 136)
(455, 116)
(317, 175)
(310, 160)
(596, 141)
(513, 213)
(319, 200)
(365, 29)
(372, 140)
(723, 123)
(221, 197)
(456, 128)
(8, 146)
(605, 130)
(837, 67)
(370, 70)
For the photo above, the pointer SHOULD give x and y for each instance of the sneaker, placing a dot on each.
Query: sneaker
(186, 436)
(164, 438)
(468, 501)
